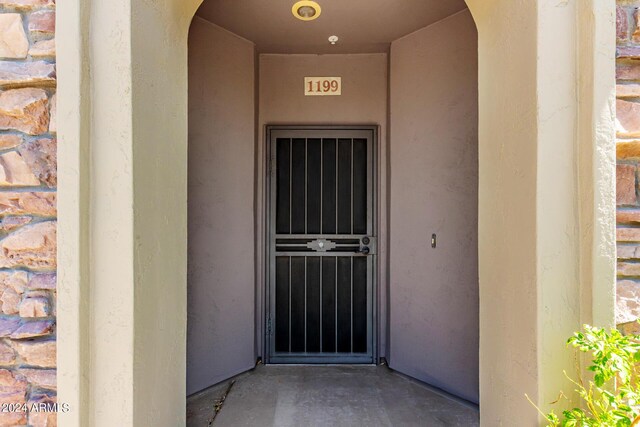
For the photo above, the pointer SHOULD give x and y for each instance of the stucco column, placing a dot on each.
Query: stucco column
(123, 199)
(546, 214)
(73, 202)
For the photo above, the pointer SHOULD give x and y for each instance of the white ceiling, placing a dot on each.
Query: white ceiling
(364, 26)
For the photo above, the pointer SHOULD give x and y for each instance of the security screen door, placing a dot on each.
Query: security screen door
(321, 245)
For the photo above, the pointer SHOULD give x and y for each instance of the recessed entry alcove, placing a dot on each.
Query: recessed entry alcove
(334, 229)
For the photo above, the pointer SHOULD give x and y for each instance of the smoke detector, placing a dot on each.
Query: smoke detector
(306, 10)
(333, 39)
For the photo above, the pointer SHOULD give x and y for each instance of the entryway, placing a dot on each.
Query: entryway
(321, 245)
(546, 211)
(285, 396)
(333, 229)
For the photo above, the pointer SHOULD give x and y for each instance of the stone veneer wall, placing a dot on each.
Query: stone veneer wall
(27, 208)
(628, 162)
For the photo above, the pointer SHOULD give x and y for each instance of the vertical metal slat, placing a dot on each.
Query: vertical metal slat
(290, 183)
(351, 185)
(321, 184)
(336, 305)
(306, 181)
(321, 290)
(351, 304)
(290, 262)
(305, 304)
(337, 181)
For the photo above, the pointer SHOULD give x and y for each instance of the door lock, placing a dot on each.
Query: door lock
(367, 245)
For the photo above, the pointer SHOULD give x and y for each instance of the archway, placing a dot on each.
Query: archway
(417, 90)
(560, 273)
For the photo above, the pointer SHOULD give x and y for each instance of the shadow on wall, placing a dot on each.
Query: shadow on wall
(221, 275)
(433, 300)
(431, 296)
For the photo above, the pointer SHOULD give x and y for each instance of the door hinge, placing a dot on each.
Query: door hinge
(272, 165)
(269, 329)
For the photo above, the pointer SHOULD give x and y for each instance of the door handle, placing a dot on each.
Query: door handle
(367, 245)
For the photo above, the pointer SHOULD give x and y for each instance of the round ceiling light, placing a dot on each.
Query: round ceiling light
(306, 10)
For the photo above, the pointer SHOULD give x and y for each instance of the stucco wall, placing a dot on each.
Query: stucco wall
(363, 101)
(546, 163)
(154, 245)
(221, 281)
(434, 189)
(123, 211)
(364, 92)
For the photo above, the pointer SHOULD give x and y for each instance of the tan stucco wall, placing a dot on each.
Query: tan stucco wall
(434, 189)
(159, 132)
(363, 102)
(221, 276)
(546, 194)
(73, 226)
(123, 306)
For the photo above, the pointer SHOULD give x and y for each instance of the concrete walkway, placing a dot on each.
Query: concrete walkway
(283, 396)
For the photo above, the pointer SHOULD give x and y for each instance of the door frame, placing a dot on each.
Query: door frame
(267, 217)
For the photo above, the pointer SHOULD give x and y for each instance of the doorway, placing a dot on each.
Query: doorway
(321, 241)
(419, 294)
(140, 219)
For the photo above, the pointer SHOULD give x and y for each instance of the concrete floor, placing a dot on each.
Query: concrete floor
(328, 396)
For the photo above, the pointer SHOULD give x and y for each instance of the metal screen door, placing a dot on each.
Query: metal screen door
(321, 245)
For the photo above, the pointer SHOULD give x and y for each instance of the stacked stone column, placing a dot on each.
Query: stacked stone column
(628, 161)
(28, 182)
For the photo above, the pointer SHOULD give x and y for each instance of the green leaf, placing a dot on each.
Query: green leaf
(610, 387)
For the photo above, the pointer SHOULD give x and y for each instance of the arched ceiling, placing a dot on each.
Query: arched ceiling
(364, 26)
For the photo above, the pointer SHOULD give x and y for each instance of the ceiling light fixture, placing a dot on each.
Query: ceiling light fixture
(306, 10)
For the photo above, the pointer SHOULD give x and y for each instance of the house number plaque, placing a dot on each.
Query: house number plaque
(322, 86)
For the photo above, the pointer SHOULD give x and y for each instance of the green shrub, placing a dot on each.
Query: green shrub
(610, 395)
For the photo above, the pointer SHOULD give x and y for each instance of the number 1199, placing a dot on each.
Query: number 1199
(322, 86)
